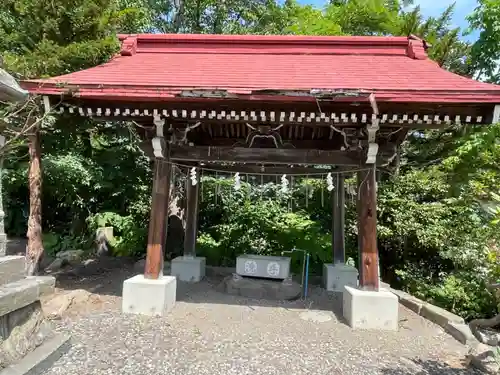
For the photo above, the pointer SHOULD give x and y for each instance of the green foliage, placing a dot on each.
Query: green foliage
(54, 243)
(309, 20)
(486, 50)
(256, 219)
(129, 232)
(459, 292)
(44, 39)
(363, 17)
(439, 224)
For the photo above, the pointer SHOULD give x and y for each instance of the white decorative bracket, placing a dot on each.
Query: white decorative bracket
(496, 114)
(372, 129)
(46, 103)
(329, 182)
(158, 142)
(284, 184)
(237, 181)
(192, 176)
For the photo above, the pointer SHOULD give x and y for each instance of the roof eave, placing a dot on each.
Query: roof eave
(10, 91)
(140, 94)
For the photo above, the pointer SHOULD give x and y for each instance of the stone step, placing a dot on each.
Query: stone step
(42, 358)
(20, 293)
(249, 287)
(12, 268)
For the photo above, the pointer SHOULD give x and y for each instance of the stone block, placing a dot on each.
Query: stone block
(3, 244)
(407, 300)
(336, 276)
(42, 358)
(384, 286)
(250, 287)
(46, 284)
(12, 268)
(439, 316)
(149, 297)
(189, 269)
(21, 293)
(461, 332)
(486, 336)
(370, 310)
(21, 332)
(269, 267)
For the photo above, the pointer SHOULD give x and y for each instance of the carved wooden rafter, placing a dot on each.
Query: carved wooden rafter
(262, 132)
(372, 130)
(393, 117)
(158, 142)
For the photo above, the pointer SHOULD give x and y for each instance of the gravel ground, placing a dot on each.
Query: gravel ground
(213, 333)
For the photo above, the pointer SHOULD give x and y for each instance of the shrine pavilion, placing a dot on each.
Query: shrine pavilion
(274, 104)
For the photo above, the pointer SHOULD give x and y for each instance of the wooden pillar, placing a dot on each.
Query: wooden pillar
(158, 220)
(192, 195)
(338, 222)
(367, 230)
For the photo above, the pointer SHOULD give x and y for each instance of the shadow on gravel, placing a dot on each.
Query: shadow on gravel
(208, 292)
(429, 367)
(105, 276)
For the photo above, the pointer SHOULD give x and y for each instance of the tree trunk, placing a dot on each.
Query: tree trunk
(485, 323)
(34, 249)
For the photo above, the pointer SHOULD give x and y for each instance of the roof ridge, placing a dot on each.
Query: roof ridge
(257, 38)
(412, 46)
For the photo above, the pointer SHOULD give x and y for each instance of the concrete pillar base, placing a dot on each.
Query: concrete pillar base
(371, 310)
(336, 276)
(149, 297)
(189, 269)
(3, 244)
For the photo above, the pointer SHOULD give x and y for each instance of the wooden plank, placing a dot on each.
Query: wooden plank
(338, 222)
(367, 221)
(265, 155)
(192, 195)
(158, 219)
(317, 144)
(385, 153)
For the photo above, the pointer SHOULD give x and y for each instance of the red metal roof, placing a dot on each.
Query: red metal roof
(162, 66)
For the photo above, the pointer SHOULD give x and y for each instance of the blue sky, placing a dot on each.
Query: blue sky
(432, 8)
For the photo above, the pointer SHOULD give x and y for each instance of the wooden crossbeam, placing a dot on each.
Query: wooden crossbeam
(264, 155)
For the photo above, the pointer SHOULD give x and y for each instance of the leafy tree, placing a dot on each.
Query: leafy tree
(363, 17)
(486, 50)
(39, 39)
